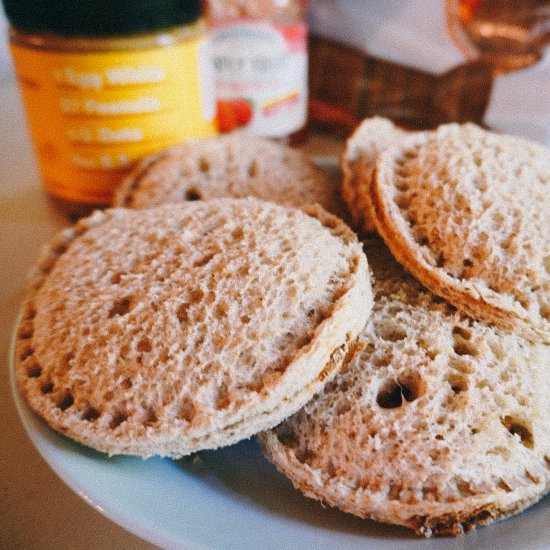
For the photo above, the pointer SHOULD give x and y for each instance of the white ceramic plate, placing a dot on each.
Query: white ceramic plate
(233, 498)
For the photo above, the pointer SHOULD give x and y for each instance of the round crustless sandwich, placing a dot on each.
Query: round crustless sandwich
(466, 211)
(190, 326)
(230, 166)
(438, 423)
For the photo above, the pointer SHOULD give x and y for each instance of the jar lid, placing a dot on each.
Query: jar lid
(100, 17)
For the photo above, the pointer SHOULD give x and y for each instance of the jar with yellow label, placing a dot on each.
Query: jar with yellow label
(106, 83)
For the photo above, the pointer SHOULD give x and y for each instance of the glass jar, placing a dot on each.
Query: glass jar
(104, 85)
(259, 51)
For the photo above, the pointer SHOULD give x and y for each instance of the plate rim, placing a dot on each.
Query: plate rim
(106, 509)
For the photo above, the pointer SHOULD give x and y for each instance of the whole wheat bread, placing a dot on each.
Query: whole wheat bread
(466, 211)
(232, 165)
(189, 326)
(438, 423)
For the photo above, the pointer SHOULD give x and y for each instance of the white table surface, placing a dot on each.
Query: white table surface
(37, 510)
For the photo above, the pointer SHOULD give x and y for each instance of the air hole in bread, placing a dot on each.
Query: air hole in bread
(197, 295)
(546, 263)
(331, 387)
(343, 408)
(120, 307)
(516, 427)
(403, 201)
(467, 262)
(237, 233)
(222, 398)
(27, 351)
(458, 383)
(423, 241)
(66, 401)
(390, 395)
(465, 488)
(116, 278)
(391, 333)
(243, 270)
(304, 455)
(394, 490)
(192, 195)
(545, 311)
(25, 331)
(432, 353)
(181, 313)
(253, 169)
(461, 345)
(221, 310)
(401, 173)
(331, 470)
(151, 417)
(67, 359)
(462, 332)
(204, 166)
(187, 411)
(255, 386)
(412, 386)
(440, 261)
(34, 370)
(504, 486)
(144, 345)
(47, 388)
(29, 313)
(438, 453)
(108, 396)
(203, 261)
(126, 383)
(60, 249)
(118, 418)
(507, 243)
(532, 477)
(90, 414)
(523, 300)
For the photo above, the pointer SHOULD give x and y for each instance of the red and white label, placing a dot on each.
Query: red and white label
(260, 76)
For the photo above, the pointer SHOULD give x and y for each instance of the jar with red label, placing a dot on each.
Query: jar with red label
(259, 54)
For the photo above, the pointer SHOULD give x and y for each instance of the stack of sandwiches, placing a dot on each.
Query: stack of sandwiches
(398, 372)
